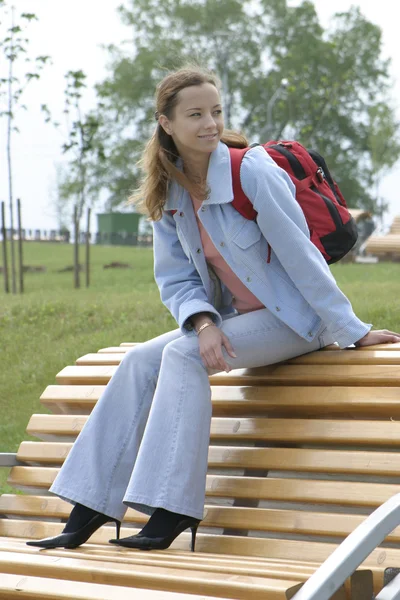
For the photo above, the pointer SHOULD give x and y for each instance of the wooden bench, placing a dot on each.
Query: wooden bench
(300, 454)
(386, 247)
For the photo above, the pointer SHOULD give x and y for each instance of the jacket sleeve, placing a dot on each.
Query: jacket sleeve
(283, 224)
(180, 285)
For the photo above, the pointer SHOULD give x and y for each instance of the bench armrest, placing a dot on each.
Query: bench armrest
(345, 559)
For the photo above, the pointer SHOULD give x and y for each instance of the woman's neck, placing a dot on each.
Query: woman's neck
(196, 168)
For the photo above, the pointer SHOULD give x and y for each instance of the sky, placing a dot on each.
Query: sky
(73, 33)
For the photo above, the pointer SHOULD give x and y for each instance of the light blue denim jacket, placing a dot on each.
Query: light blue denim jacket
(296, 285)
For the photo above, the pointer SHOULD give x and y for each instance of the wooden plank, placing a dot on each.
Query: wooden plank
(304, 431)
(124, 347)
(309, 491)
(345, 357)
(306, 460)
(295, 400)
(227, 563)
(294, 522)
(343, 375)
(71, 399)
(41, 588)
(159, 578)
(270, 551)
(118, 349)
(358, 586)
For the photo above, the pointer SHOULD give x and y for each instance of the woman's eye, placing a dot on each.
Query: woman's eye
(195, 114)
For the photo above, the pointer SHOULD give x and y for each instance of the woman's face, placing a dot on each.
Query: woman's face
(198, 122)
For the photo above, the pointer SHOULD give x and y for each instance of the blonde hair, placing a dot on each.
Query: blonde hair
(160, 153)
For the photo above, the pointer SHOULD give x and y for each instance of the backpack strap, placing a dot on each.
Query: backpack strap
(240, 201)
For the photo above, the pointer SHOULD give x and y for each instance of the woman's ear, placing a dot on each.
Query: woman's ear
(164, 122)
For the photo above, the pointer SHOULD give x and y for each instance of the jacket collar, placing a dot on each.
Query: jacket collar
(219, 179)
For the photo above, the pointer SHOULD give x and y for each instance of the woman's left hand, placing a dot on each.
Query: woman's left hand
(382, 336)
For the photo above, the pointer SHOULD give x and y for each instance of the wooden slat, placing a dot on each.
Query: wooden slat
(358, 586)
(118, 349)
(97, 548)
(42, 588)
(309, 491)
(295, 400)
(395, 227)
(286, 521)
(338, 375)
(124, 347)
(306, 460)
(160, 578)
(381, 245)
(310, 431)
(345, 357)
(272, 552)
(384, 347)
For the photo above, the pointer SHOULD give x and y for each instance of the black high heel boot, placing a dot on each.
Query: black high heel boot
(143, 542)
(76, 538)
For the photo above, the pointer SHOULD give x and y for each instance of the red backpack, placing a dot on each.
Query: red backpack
(332, 228)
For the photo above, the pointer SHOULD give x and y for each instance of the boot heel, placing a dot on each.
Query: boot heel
(194, 531)
(118, 527)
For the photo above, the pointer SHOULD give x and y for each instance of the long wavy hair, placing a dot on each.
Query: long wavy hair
(160, 153)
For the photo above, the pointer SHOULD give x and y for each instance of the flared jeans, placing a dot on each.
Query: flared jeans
(145, 443)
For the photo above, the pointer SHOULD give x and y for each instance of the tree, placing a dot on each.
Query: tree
(336, 79)
(383, 145)
(14, 49)
(85, 149)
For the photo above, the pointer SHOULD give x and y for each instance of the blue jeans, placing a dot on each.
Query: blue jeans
(145, 443)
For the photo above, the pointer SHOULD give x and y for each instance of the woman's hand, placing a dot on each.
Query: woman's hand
(211, 340)
(382, 336)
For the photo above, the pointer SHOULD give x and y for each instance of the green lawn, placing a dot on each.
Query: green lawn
(52, 324)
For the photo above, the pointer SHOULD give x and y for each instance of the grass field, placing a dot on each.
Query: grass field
(52, 324)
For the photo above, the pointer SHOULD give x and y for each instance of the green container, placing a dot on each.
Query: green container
(117, 228)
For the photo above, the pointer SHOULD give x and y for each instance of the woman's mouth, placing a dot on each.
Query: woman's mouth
(208, 137)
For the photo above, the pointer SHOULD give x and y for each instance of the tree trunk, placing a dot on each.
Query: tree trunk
(88, 248)
(20, 249)
(9, 132)
(77, 282)
(5, 263)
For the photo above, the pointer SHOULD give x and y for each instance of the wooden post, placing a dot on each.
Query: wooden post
(88, 248)
(21, 258)
(77, 283)
(5, 264)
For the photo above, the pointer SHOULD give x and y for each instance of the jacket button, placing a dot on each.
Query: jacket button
(310, 334)
(248, 278)
(222, 244)
(277, 309)
(181, 214)
(198, 250)
(203, 208)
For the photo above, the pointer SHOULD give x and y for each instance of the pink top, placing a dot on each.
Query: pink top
(243, 300)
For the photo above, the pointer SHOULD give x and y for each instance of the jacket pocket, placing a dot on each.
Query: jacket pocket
(248, 235)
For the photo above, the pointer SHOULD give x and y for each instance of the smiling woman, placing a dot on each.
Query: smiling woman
(145, 444)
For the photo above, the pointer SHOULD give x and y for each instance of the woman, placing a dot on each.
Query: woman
(145, 444)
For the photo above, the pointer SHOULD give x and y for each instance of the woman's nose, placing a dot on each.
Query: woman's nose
(210, 122)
